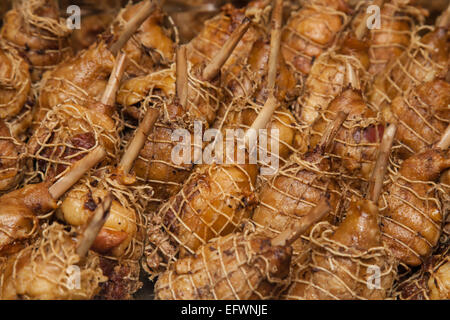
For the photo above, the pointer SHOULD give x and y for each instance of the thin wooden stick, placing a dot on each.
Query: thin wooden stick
(361, 29)
(94, 226)
(182, 75)
(444, 143)
(289, 236)
(275, 40)
(78, 169)
(261, 121)
(331, 131)
(138, 140)
(351, 76)
(213, 68)
(265, 114)
(444, 19)
(109, 96)
(132, 26)
(380, 168)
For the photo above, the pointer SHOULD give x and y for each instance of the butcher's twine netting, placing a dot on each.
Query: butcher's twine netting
(429, 283)
(15, 86)
(67, 134)
(394, 35)
(212, 202)
(336, 271)
(53, 33)
(155, 164)
(133, 198)
(414, 66)
(288, 196)
(234, 267)
(52, 260)
(421, 199)
(296, 45)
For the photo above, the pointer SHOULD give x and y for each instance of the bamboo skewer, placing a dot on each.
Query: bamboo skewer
(275, 40)
(182, 75)
(76, 172)
(136, 144)
(94, 226)
(132, 26)
(289, 236)
(213, 68)
(444, 143)
(381, 164)
(109, 95)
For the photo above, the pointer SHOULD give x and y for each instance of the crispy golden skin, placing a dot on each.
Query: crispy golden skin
(120, 242)
(341, 258)
(81, 80)
(411, 212)
(155, 164)
(212, 203)
(47, 270)
(227, 268)
(311, 31)
(422, 116)
(34, 28)
(150, 47)
(18, 215)
(67, 134)
(253, 86)
(253, 79)
(289, 195)
(216, 32)
(327, 78)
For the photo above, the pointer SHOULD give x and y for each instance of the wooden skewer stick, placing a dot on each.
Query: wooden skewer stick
(132, 25)
(443, 20)
(213, 68)
(78, 169)
(289, 236)
(182, 75)
(444, 143)
(331, 131)
(138, 140)
(351, 76)
(380, 168)
(361, 29)
(275, 40)
(109, 96)
(94, 226)
(262, 119)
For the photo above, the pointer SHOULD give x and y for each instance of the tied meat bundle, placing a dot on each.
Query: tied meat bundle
(222, 150)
